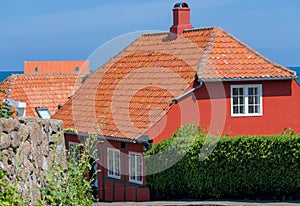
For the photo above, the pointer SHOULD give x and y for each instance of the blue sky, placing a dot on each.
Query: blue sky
(68, 30)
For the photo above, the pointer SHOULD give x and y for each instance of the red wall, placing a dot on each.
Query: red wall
(116, 190)
(210, 107)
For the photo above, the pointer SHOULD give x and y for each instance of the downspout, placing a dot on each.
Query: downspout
(177, 99)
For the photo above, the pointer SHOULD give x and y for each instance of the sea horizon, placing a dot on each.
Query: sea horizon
(5, 74)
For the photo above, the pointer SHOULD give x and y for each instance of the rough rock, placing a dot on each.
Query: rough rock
(5, 141)
(27, 147)
(8, 125)
(16, 139)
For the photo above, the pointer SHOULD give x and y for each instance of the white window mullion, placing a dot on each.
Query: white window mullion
(130, 169)
(135, 168)
(261, 101)
(256, 106)
(246, 100)
(117, 164)
(113, 163)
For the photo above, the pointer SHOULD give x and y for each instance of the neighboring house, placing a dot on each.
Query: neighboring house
(41, 95)
(162, 81)
(57, 67)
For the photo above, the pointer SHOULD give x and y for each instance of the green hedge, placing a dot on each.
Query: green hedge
(239, 167)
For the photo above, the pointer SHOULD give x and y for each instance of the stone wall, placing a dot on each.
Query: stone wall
(27, 147)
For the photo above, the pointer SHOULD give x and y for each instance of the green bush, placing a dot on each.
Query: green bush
(68, 184)
(10, 194)
(239, 167)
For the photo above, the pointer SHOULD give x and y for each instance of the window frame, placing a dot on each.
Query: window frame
(76, 156)
(41, 110)
(246, 101)
(113, 164)
(136, 173)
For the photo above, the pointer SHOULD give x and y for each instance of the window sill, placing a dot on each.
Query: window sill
(136, 182)
(114, 177)
(246, 115)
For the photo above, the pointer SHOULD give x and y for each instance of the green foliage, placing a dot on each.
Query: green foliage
(166, 154)
(10, 194)
(5, 108)
(68, 185)
(288, 130)
(239, 167)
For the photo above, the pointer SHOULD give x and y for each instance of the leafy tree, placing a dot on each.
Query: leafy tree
(67, 184)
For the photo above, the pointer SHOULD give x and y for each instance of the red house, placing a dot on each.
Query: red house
(165, 80)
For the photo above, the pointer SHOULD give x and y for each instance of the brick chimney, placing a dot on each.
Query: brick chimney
(181, 18)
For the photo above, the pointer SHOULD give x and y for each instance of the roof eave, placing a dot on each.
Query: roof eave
(102, 137)
(246, 79)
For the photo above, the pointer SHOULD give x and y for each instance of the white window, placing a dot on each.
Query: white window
(246, 100)
(135, 168)
(113, 163)
(43, 113)
(74, 151)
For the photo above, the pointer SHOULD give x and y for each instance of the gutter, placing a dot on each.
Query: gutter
(144, 139)
(81, 134)
(177, 99)
(248, 79)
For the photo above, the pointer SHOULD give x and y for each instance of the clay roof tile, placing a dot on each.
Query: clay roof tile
(40, 90)
(133, 90)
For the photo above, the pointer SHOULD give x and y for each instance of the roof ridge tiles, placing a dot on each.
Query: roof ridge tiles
(257, 53)
(185, 31)
(207, 50)
(10, 85)
(155, 33)
(47, 75)
(202, 29)
(57, 61)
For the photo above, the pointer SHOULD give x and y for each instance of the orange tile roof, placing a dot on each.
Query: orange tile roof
(57, 67)
(40, 90)
(131, 93)
(228, 58)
